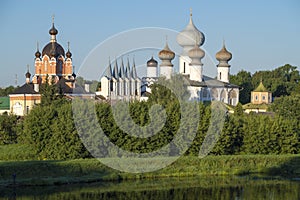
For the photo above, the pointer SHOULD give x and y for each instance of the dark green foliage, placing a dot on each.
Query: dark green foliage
(243, 79)
(9, 129)
(49, 93)
(50, 130)
(6, 91)
(94, 85)
(282, 81)
(287, 107)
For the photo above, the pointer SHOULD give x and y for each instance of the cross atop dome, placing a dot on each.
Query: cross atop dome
(189, 36)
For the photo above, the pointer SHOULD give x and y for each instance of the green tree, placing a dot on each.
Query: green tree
(287, 107)
(6, 91)
(49, 93)
(50, 129)
(281, 81)
(9, 129)
(243, 79)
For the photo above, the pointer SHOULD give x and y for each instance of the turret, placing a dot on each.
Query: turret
(166, 56)
(196, 54)
(223, 56)
(152, 67)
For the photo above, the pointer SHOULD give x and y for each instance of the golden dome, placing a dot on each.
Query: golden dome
(166, 53)
(223, 54)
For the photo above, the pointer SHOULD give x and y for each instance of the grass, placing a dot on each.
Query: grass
(52, 172)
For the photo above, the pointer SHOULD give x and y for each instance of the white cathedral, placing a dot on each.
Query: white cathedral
(122, 83)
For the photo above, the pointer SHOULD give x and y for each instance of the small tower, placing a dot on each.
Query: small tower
(261, 95)
(187, 39)
(152, 67)
(37, 53)
(68, 54)
(223, 56)
(53, 31)
(196, 54)
(27, 75)
(166, 56)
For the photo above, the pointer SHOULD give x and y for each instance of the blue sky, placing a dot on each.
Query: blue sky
(261, 35)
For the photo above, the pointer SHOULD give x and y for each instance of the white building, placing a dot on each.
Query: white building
(201, 87)
(120, 83)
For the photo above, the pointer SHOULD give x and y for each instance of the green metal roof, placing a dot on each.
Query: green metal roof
(4, 103)
(255, 106)
(261, 88)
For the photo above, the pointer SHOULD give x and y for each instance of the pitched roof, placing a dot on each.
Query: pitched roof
(63, 87)
(210, 82)
(27, 88)
(261, 88)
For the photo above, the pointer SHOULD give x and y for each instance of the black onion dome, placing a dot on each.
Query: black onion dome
(69, 54)
(152, 62)
(27, 75)
(37, 54)
(58, 50)
(53, 30)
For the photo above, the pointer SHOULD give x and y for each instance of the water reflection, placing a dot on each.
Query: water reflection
(167, 188)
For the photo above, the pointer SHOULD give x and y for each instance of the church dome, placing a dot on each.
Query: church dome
(152, 62)
(166, 53)
(68, 54)
(190, 35)
(196, 53)
(223, 54)
(58, 50)
(27, 75)
(53, 30)
(37, 54)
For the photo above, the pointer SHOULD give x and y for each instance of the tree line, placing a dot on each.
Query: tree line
(282, 81)
(50, 129)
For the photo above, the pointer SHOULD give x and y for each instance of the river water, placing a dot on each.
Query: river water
(221, 187)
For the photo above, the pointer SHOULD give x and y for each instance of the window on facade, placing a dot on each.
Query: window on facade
(205, 93)
(220, 76)
(111, 86)
(263, 97)
(183, 67)
(256, 97)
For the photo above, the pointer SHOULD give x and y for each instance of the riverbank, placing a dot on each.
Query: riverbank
(52, 172)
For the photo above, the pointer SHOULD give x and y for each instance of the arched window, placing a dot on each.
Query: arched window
(205, 93)
(223, 96)
(232, 97)
(184, 67)
(214, 94)
(220, 76)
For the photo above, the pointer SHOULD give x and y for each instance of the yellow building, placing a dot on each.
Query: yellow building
(261, 95)
(23, 99)
(260, 98)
